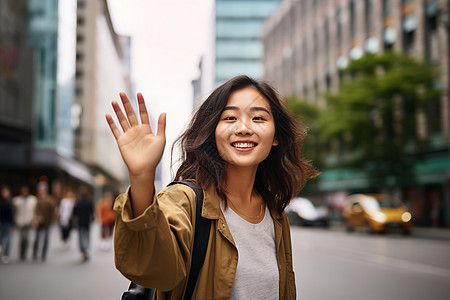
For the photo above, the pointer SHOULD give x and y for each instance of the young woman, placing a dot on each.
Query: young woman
(243, 149)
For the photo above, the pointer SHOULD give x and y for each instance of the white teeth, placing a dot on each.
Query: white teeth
(243, 145)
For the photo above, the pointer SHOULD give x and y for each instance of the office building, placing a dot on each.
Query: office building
(307, 42)
(61, 64)
(102, 71)
(37, 73)
(238, 49)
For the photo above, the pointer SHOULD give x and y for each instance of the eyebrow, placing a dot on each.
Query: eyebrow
(254, 108)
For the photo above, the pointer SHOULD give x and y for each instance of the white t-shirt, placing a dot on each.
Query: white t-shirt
(65, 211)
(257, 275)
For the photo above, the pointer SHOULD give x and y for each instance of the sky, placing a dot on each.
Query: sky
(168, 39)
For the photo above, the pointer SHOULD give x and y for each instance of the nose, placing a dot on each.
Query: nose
(243, 128)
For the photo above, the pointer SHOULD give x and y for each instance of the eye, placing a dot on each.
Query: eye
(230, 118)
(258, 119)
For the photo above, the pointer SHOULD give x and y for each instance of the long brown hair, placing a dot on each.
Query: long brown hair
(279, 177)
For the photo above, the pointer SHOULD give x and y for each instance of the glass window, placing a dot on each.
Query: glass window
(78, 91)
(79, 73)
(386, 8)
(239, 49)
(316, 48)
(408, 42)
(328, 82)
(432, 8)
(326, 35)
(306, 60)
(79, 56)
(370, 204)
(389, 38)
(409, 26)
(42, 34)
(431, 41)
(352, 18)
(248, 9)
(238, 28)
(228, 69)
(368, 7)
(339, 27)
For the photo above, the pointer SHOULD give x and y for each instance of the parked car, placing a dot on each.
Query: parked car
(302, 211)
(376, 213)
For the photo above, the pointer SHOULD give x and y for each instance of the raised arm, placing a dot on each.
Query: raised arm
(141, 150)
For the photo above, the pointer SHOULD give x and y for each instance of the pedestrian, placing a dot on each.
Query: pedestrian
(24, 205)
(6, 223)
(44, 216)
(65, 210)
(107, 217)
(84, 213)
(243, 148)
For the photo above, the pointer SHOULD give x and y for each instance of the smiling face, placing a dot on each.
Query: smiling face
(246, 129)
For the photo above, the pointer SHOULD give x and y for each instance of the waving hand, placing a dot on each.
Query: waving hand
(140, 148)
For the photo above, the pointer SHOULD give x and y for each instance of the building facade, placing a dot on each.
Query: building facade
(238, 49)
(102, 71)
(57, 80)
(307, 42)
(37, 75)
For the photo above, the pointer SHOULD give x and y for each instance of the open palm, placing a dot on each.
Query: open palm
(141, 150)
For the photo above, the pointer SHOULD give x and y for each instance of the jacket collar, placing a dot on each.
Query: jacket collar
(211, 205)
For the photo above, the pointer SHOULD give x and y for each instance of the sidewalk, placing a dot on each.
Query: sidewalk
(63, 275)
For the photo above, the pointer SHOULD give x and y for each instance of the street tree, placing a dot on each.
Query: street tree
(372, 120)
(308, 113)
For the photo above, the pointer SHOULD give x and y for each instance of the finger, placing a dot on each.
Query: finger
(128, 109)
(120, 116)
(162, 125)
(142, 109)
(115, 131)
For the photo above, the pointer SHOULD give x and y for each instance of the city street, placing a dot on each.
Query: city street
(334, 264)
(329, 264)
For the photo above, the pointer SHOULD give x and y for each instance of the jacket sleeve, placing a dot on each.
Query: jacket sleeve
(154, 249)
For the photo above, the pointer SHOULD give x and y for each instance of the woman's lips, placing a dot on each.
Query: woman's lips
(243, 146)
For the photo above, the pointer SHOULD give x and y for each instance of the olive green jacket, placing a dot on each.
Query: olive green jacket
(154, 249)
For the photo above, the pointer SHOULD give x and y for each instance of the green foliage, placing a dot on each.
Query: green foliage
(372, 116)
(309, 114)
(306, 111)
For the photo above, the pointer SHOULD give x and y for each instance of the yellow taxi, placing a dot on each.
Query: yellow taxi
(376, 213)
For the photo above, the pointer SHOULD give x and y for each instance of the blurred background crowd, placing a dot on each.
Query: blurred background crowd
(31, 218)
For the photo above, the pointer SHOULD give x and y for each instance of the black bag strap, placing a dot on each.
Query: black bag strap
(201, 238)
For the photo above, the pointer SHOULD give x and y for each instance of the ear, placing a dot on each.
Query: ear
(275, 142)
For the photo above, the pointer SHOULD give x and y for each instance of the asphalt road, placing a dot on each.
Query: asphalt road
(334, 264)
(329, 264)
